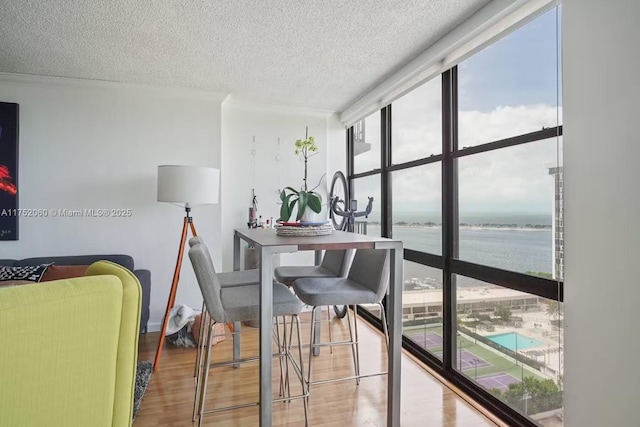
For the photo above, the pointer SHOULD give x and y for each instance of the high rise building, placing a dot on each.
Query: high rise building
(558, 224)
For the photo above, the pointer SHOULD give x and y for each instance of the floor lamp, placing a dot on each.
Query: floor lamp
(187, 187)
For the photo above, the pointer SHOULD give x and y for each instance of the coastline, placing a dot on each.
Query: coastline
(466, 226)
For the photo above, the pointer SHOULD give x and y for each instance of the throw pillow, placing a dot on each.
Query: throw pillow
(59, 272)
(33, 273)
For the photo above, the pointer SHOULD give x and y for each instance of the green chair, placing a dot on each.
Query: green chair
(69, 350)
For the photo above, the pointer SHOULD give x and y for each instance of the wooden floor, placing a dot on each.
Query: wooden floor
(425, 400)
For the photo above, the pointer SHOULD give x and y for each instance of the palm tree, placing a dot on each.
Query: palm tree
(504, 313)
(553, 309)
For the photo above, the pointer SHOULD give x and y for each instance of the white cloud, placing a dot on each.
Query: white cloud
(511, 179)
(478, 127)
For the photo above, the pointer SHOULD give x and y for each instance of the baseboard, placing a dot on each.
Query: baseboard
(153, 326)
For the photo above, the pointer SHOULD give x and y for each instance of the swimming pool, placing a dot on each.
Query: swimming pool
(514, 341)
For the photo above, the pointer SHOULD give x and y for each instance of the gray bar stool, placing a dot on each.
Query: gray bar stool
(232, 278)
(335, 263)
(228, 279)
(236, 304)
(366, 284)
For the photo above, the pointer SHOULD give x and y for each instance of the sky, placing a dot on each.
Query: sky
(507, 89)
(519, 69)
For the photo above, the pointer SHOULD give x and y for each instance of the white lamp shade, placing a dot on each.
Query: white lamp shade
(188, 185)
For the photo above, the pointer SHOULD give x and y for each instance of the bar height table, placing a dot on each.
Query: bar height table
(268, 243)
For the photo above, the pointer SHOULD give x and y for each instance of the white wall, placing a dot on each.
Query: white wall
(602, 207)
(265, 171)
(97, 145)
(337, 149)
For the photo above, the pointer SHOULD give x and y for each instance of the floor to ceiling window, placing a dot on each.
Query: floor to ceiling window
(466, 170)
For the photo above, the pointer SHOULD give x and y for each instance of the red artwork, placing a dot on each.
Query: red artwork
(5, 181)
(9, 177)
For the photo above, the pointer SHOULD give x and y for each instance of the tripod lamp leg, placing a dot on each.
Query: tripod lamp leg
(172, 293)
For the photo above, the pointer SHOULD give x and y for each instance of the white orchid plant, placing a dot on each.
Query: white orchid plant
(303, 198)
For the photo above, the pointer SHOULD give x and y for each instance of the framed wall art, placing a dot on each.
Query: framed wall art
(8, 171)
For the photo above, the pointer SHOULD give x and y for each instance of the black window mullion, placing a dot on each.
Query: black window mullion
(455, 211)
(539, 135)
(537, 286)
(453, 231)
(430, 260)
(448, 291)
(420, 162)
(385, 178)
(386, 223)
(365, 174)
(350, 162)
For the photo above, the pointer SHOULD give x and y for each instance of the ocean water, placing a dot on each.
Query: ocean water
(515, 242)
(519, 219)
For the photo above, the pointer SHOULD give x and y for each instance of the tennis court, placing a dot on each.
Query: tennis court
(500, 381)
(467, 360)
(427, 339)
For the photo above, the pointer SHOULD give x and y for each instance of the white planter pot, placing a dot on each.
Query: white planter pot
(311, 216)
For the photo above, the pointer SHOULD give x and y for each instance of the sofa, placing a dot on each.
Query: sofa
(144, 276)
(69, 350)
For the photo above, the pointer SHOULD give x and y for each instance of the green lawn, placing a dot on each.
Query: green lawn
(498, 362)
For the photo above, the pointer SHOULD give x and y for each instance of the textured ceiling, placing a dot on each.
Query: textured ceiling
(315, 54)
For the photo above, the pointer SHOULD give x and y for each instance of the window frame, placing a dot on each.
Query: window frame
(449, 262)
